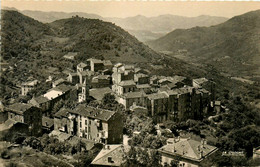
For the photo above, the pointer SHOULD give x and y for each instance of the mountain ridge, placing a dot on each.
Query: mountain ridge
(234, 42)
(154, 26)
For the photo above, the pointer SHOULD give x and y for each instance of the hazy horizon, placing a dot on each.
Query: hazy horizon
(124, 9)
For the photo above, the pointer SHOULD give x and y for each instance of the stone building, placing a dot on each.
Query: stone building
(124, 87)
(101, 81)
(206, 84)
(27, 114)
(95, 124)
(73, 78)
(141, 78)
(157, 105)
(133, 98)
(42, 102)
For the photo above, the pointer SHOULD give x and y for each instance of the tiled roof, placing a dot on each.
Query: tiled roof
(47, 122)
(158, 95)
(189, 149)
(19, 108)
(87, 73)
(118, 65)
(31, 83)
(63, 112)
(129, 67)
(40, 99)
(202, 90)
(107, 77)
(92, 112)
(58, 81)
(143, 86)
(131, 95)
(127, 83)
(98, 93)
(63, 88)
(52, 94)
(107, 63)
(180, 91)
(73, 74)
(82, 65)
(200, 81)
(95, 60)
(115, 152)
(70, 55)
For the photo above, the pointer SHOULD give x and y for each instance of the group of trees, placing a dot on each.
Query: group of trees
(142, 157)
(108, 102)
(147, 140)
(51, 145)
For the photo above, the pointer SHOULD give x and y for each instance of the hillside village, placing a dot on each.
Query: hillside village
(161, 98)
(83, 92)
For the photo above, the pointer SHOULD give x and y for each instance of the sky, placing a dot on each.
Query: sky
(124, 8)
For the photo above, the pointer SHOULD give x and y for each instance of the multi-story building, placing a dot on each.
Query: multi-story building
(141, 78)
(73, 78)
(206, 84)
(101, 81)
(28, 86)
(26, 114)
(124, 87)
(157, 105)
(95, 124)
(133, 98)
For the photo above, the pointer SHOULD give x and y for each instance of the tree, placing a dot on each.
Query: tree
(109, 99)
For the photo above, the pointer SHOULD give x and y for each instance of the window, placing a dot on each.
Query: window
(80, 124)
(109, 159)
(86, 122)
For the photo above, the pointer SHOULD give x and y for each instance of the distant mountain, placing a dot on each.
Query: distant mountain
(165, 23)
(33, 47)
(48, 17)
(143, 28)
(232, 47)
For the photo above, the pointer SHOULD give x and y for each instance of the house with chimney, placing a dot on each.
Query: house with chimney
(187, 152)
(111, 155)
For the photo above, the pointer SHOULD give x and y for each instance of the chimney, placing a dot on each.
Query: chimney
(201, 154)
(179, 138)
(108, 147)
(198, 148)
